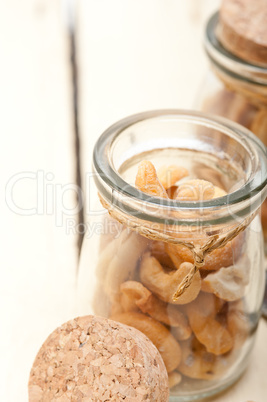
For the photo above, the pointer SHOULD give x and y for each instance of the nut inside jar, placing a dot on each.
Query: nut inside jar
(199, 333)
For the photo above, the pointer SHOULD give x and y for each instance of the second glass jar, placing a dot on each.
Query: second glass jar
(235, 89)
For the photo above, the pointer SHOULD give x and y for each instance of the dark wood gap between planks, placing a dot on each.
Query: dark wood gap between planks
(72, 37)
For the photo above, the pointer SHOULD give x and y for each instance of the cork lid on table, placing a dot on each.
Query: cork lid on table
(95, 359)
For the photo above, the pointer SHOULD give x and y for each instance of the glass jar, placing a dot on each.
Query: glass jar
(189, 274)
(234, 89)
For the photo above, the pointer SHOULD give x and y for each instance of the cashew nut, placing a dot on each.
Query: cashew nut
(195, 190)
(206, 328)
(132, 294)
(198, 363)
(118, 261)
(164, 341)
(174, 379)
(238, 323)
(139, 296)
(221, 257)
(209, 304)
(182, 333)
(169, 175)
(158, 251)
(228, 283)
(218, 192)
(147, 180)
(164, 284)
(127, 304)
(203, 190)
(171, 191)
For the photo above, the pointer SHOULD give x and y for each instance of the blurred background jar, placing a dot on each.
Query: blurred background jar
(236, 85)
(141, 248)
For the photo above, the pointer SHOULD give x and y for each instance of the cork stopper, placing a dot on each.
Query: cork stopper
(95, 359)
(242, 29)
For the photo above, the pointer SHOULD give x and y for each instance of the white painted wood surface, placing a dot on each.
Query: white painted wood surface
(133, 55)
(38, 258)
(138, 55)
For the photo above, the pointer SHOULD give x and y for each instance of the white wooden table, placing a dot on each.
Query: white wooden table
(132, 55)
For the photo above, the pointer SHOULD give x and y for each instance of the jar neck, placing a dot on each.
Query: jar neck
(234, 71)
(178, 225)
(182, 129)
(254, 93)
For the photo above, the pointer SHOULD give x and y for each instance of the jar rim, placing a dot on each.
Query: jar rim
(111, 185)
(227, 61)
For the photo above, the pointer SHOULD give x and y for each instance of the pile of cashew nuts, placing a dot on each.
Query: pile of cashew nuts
(199, 335)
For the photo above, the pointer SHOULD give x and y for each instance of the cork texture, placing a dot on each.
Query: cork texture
(242, 29)
(94, 359)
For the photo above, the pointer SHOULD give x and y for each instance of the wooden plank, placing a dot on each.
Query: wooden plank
(39, 256)
(137, 55)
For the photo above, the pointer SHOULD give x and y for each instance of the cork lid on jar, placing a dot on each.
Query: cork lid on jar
(95, 359)
(242, 29)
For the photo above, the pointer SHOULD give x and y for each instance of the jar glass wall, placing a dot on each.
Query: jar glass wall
(187, 273)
